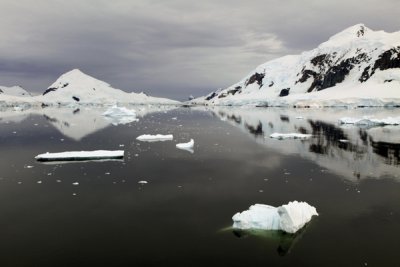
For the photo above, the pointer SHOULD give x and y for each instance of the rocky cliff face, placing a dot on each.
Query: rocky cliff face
(350, 58)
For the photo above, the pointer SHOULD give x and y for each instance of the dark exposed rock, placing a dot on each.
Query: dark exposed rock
(76, 98)
(44, 105)
(284, 92)
(50, 90)
(256, 77)
(1, 91)
(307, 74)
(76, 111)
(319, 60)
(388, 81)
(271, 84)
(211, 96)
(389, 59)
(64, 85)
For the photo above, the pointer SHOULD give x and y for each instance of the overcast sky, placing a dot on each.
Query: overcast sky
(170, 48)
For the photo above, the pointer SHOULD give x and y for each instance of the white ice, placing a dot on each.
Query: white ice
(120, 115)
(80, 155)
(367, 121)
(186, 146)
(289, 218)
(155, 138)
(290, 136)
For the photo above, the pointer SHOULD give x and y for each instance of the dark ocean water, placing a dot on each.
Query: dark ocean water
(182, 216)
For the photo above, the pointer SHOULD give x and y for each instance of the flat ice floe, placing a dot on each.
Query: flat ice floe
(155, 138)
(81, 155)
(290, 136)
(366, 121)
(289, 218)
(186, 146)
(120, 115)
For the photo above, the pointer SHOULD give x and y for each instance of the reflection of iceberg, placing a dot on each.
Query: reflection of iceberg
(284, 240)
(289, 218)
(367, 152)
(120, 115)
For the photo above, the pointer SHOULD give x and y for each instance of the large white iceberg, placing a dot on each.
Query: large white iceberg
(290, 136)
(81, 155)
(366, 121)
(154, 138)
(289, 218)
(120, 115)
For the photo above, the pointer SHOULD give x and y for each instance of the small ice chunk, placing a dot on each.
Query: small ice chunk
(75, 183)
(186, 146)
(281, 136)
(155, 138)
(39, 182)
(343, 141)
(289, 218)
(120, 115)
(81, 155)
(142, 182)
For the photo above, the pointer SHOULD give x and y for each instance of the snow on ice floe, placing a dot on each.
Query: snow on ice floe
(120, 115)
(155, 138)
(81, 155)
(186, 146)
(366, 121)
(290, 136)
(289, 218)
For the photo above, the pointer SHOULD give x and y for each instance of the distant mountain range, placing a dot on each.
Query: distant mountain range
(76, 88)
(357, 66)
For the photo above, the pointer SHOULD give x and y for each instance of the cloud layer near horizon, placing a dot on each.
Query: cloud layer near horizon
(168, 48)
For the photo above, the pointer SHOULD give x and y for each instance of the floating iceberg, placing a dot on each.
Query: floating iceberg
(290, 136)
(365, 121)
(81, 155)
(186, 146)
(289, 218)
(155, 138)
(120, 115)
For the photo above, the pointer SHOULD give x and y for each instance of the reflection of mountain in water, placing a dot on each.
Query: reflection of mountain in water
(347, 150)
(75, 123)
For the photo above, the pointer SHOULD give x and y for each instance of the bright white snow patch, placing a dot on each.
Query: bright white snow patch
(366, 121)
(289, 218)
(186, 146)
(290, 136)
(155, 138)
(120, 115)
(142, 182)
(81, 155)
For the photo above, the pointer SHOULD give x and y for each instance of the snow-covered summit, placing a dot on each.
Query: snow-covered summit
(14, 91)
(76, 87)
(357, 66)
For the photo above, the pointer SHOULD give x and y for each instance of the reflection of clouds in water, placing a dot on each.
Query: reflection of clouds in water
(367, 152)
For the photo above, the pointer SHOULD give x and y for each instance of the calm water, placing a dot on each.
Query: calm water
(182, 217)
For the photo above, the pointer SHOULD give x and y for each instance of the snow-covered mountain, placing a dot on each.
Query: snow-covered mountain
(76, 88)
(14, 91)
(357, 66)
(79, 88)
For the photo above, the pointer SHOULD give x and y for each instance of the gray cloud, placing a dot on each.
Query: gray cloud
(168, 48)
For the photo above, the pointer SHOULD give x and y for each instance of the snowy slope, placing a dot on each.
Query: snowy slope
(76, 87)
(357, 66)
(14, 91)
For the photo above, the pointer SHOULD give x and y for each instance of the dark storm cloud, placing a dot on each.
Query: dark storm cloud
(168, 48)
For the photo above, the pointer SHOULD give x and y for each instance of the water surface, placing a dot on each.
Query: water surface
(182, 217)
